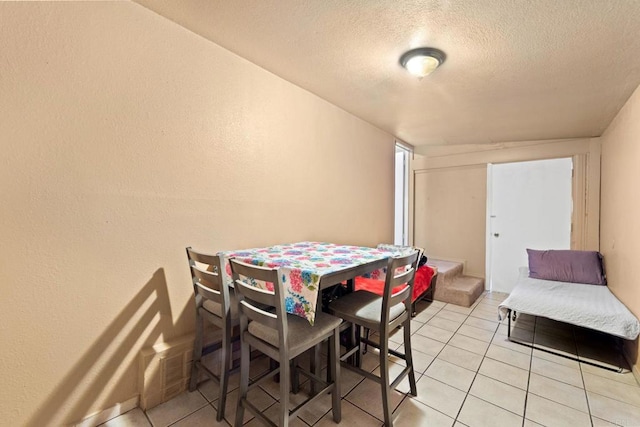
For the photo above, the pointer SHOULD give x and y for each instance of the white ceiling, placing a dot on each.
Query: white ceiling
(516, 69)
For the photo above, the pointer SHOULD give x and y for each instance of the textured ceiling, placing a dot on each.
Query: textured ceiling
(516, 69)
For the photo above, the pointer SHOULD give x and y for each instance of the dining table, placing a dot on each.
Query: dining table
(307, 268)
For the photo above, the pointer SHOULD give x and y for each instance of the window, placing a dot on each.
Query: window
(401, 229)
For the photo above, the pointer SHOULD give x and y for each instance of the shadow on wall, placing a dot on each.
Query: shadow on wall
(111, 348)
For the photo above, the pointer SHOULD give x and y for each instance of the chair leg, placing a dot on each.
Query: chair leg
(384, 379)
(315, 365)
(334, 369)
(295, 376)
(285, 381)
(357, 331)
(353, 342)
(245, 354)
(366, 335)
(197, 351)
(273, 364)
(409, 356)
(225, 359)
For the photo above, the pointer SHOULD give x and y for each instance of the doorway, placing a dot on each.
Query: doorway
(529, 205)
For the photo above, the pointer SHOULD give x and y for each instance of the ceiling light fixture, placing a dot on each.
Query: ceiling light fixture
(422, 61)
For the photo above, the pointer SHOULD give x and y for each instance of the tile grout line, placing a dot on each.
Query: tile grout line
(467, 315)
(455, 419)
(545, 398)
(276, 401)
(431, 407)
(537, 331)
(584, 385)
(526, 395)
(424, 373)
(362, 381)
(191, 413)
(476, 374)
(434, 358)
(148, 419)
(529, 375)
(438, 353)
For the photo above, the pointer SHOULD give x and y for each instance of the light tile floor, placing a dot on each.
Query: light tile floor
(468, 374)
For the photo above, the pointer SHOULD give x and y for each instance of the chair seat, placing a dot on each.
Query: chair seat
(214, 308)
(363, 308)
(300, 332)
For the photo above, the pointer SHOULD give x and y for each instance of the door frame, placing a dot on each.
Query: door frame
(402, 206)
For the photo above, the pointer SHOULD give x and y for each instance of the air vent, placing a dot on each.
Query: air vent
(173, 375)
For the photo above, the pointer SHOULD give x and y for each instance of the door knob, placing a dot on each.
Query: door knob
(496, 234)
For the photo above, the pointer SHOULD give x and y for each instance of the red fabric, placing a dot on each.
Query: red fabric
(420, 284)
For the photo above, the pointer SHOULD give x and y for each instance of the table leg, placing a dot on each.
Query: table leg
(351, 285)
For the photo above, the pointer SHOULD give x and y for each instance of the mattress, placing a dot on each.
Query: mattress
(589, 306)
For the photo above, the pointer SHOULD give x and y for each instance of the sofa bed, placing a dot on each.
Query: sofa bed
(570, 287)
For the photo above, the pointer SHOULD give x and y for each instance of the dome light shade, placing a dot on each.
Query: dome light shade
(422, 61)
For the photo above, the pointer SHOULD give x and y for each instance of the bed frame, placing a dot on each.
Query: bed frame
(427, 295)
(511, 314)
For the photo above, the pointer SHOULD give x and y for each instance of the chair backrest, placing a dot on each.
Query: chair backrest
(420, 252)
(401, 249)
(253, 300)
(400, 271)
(208, 283)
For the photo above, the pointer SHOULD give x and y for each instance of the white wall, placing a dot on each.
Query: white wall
(125, 138)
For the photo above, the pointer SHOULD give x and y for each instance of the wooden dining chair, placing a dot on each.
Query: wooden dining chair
(215, 303)
(383, 314)
(424, 283)
(281, 337)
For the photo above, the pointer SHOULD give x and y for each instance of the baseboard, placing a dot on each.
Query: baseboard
(107, 414)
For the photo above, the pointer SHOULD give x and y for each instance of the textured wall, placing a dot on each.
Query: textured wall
(451, 206)
(125, 138)
(451, 192)
(515, 70)
(619, 228)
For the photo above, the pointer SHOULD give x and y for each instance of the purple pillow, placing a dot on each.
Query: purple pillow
(567, 266)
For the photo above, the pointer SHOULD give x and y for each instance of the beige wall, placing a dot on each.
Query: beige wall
(620, 225)
(451, 224)
(450, 190)
(125, 138)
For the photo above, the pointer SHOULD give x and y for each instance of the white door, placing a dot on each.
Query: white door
(529, 206)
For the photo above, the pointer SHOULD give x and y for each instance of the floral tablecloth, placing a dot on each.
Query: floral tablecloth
(303, 264)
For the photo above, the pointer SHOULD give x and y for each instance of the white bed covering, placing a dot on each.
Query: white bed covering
(590, 306)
